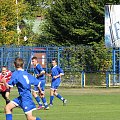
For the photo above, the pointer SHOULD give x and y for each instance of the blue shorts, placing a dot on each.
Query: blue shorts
(55, 84)
(26, 104)
(42, 86)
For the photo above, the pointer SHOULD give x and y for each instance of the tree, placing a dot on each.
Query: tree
(75, 22)
(16, 23)
(39, 7)
(11, 15)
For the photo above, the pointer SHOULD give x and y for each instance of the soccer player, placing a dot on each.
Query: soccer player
(56, 73)
(5, 74)
(39, 72)
(23, 81)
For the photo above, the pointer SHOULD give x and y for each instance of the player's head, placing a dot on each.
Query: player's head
(54, 62)
(34, 61)
(18, 62)
(4, 70)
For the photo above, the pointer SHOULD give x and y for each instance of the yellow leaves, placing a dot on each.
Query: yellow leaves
(12, 14)
(8, 37)
(3, 24)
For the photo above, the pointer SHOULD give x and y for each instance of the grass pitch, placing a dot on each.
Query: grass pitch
(83, 104)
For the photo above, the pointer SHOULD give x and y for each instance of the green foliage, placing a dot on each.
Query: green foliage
(101, 57)
(75, 22)
(39, 7)
(89, 58)
(12, 13)
(17, 20)
(67, 22)
(7, 32)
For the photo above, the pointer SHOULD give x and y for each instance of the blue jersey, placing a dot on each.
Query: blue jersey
(56, 70)
(38, 69)
(23, 81)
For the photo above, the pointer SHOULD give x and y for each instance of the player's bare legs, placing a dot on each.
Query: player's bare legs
(9, 107)
(54, 93)
(34, 94)
(51, 97)
(8, 110)
(29, 116)
(37, 98)
(7, 97)
(51, 92)
(42, 96)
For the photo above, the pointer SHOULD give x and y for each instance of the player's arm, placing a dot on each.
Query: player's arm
(40, 91)
(4, 82)
(42, 73)
(12, 81)
(48, 74)
(1, 83)
(61, 73)
(37, 83)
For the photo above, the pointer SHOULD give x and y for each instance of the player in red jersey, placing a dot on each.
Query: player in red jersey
(5, 74)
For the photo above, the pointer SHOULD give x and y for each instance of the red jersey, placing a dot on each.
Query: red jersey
(7, 78)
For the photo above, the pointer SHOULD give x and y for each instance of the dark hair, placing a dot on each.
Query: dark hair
(54, 60)
(34, 58)
(18, 62)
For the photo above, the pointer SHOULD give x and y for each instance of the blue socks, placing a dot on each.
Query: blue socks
(60, 97)
(38, 118)
(51, 99)
(38, 100)
(44, 102)
(9, 117)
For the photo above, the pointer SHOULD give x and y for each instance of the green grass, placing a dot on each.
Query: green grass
(83, 104)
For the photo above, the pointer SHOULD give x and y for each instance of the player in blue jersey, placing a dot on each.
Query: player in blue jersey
(56, 73)
(39, 72)
(23, 81)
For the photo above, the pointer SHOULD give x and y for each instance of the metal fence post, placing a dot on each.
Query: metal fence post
(107, 79)
(114, 65)
(83, 79)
